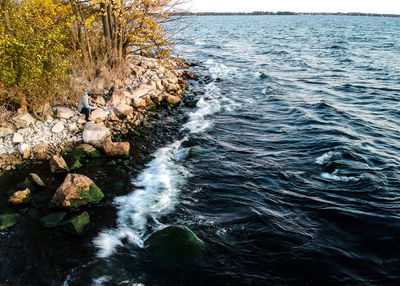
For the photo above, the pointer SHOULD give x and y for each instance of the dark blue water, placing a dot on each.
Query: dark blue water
(289, 167)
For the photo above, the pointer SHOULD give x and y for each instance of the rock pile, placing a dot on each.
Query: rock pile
(121, 107)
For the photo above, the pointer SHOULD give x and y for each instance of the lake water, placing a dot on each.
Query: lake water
(289, 166)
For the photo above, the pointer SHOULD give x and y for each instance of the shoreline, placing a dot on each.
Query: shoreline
(121, 108)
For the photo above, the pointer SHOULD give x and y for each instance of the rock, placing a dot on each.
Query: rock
(136, 95)
(37, 180)
(113, 117)
(17, 138)
(99, 115)
(89, 150)
(73, 127)
(8, 220)
(20, 197)
(95, 135)
(77, 224)
(53, 219)
(77, 165)
(171, 99)
(175, 244)
(24, 150)
(116, 149)
(77, 190)
(159, 85)
(118, 98)
(63, 112)
(23, 120)
(100, 101)
(58, 165)
(190, 75)
(40, 152)
(82, 120)
(27, 184)
(58, 128)
(123, 110)
(5, 131)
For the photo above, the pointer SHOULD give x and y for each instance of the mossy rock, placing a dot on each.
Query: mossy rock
(175, 244)
(77, 165)
(27, 184)
(8, 220)
(76, 155)
(53, 219)
(77, 224)
(112, 163)
(94, 154)
(136, 133)
(91, 196)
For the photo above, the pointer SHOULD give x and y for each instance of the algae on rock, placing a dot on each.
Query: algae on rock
(8, 220)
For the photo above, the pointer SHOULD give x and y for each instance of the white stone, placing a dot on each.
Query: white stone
(24, 150)
(99, 115)
(17, 138)
(58, 128)
(95, 134)
(63, 112)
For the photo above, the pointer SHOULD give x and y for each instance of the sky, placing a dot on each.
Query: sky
(365, 6)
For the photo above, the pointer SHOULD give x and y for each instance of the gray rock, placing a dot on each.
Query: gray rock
(63, 112)
(23, 120)
(58, 128)
(95, 135)
(17, 138)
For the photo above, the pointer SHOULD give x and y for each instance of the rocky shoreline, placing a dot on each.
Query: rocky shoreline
(121, 108)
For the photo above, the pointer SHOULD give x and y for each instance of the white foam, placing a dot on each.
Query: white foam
(337, 178)
(325, 158)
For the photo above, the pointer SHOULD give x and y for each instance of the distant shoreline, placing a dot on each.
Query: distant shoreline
(285, 13)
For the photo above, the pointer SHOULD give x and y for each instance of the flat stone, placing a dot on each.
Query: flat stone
(17, 138)
(124, 110)
(58, 128)
(99, 115)
(63, 112)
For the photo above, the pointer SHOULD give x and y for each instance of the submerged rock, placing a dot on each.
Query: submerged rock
(8, 220)
(116, 149)
(53, 219)
(58, 165)
(27, 184)
(77, 224)
(77, 190)
(77, 165)
(176, 244)
(20, 197)
(37, 180)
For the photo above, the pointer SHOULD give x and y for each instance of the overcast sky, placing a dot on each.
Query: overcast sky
(366, 6)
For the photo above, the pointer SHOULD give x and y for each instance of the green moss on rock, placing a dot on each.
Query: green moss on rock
(175, 244)
(53, 219)
(77, 164)
(91, 196)
(78, 223)
(8, 220)
(94, 154)
(27, 184)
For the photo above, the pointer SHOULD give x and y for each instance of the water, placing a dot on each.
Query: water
(288, 168)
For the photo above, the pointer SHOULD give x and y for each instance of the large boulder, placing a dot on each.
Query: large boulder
(96, 135)
(23, 120)
(175, 244)
(77, 190)
(20, 197)
(123, 110)
(137, 95)
(63, 112)
(8, 220)
(58, 164)
(116, 149)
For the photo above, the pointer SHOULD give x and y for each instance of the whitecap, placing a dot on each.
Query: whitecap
(325, 158)
(337, 178)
